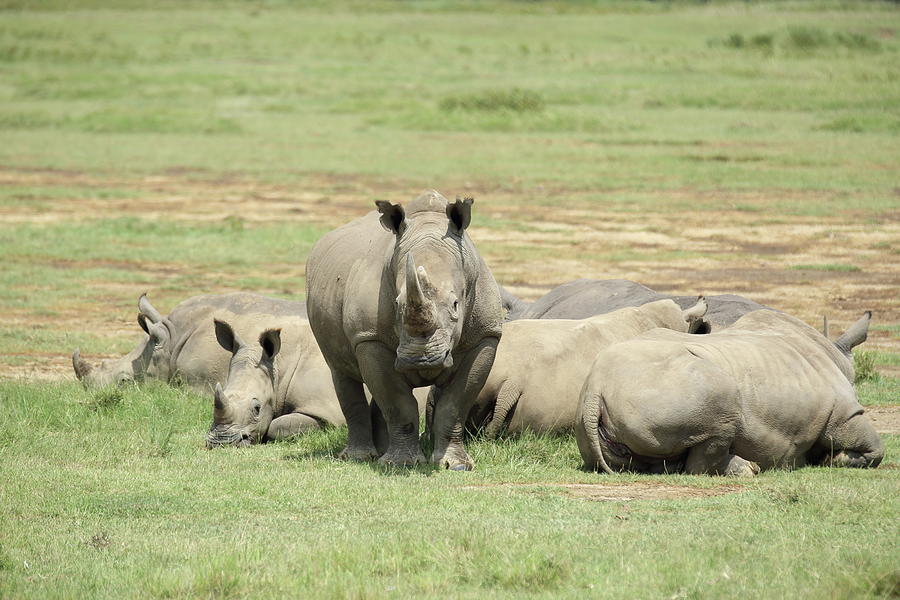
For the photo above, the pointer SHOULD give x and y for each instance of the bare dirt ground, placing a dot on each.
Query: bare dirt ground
(533, 238)
(616, 492)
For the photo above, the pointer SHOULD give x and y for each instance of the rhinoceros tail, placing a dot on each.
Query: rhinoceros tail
(588, 435)
(855, 335)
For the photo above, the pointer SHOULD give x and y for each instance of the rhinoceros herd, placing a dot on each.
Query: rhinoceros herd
(403, 316)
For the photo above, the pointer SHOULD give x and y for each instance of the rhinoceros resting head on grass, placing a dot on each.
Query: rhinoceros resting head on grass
(149, 359)
(242, 414)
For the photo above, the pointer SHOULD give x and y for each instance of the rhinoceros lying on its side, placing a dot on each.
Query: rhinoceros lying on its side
(541, 364)
(182, 343)
(400, 300)
(767, 392)
(271, 394)
(585, 298)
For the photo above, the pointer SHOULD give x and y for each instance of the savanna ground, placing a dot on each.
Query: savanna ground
(203, 147)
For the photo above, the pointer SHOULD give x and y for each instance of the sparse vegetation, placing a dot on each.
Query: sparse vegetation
(190, 147)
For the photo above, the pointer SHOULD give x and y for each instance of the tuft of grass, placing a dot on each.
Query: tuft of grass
(516, 100)
(828, 267)
(105, 398)
(864, 366)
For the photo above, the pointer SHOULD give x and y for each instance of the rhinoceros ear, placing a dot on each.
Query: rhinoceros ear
(226, 336)
(460, 213)
(393, 217)
(270, 340)
(148, 310)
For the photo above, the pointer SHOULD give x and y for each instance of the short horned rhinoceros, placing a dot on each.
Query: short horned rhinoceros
(767, 392)
(183, 343)
(275, 389)
(398, 299)
(541, 364)
(583, 298)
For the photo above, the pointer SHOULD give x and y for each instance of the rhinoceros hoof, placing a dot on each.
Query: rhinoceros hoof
(361, 453)
(401, 457)
(456, 461)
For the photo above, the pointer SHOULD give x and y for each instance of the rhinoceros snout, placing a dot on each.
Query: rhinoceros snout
(424, 363)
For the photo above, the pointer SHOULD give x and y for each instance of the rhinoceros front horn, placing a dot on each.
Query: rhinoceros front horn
(81, 366)
(415, 297)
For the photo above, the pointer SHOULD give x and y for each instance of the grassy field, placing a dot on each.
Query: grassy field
(199, 147)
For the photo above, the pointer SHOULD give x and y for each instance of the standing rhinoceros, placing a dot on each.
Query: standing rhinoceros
(767, 392)
(541, 364)
(271, 395)
(583, 298)
(183, 343)
(399, 299)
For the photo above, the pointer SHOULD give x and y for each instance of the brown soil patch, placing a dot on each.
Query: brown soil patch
(532, 237)
(886, 419)
(615, 492)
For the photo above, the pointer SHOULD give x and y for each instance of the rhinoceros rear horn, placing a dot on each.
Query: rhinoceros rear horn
(855, 335)
(81, 366)
(147, 310)
(393, 217)
(460, 213)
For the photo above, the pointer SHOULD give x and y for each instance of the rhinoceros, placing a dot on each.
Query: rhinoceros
(767, 392)
(277, 389)
(271, 394)
(183, 343)
(583, 298)
(399, 299)
(541, 364)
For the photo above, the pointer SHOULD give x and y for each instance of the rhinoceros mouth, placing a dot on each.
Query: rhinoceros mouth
(425, 354)
(227, 435)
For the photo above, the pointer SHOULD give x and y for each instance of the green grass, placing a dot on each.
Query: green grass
(114, 496)
(785, 111)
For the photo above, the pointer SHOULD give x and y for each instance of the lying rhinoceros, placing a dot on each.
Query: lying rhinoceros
(541, 364)
(767, 392)
(182, 343)
(271, 395)
(400, 299)
(585, 298)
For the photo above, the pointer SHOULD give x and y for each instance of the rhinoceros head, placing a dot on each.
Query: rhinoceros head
(434, 279)
(243, 410)
(149, 359)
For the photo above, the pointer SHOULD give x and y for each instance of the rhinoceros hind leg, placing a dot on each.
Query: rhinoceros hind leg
(355, 407)
(713, 457)
(287, 426)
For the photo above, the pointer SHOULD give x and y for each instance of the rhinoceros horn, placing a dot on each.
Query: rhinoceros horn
(855, 335)
(418, 308)
(81, 366)
(218, 403)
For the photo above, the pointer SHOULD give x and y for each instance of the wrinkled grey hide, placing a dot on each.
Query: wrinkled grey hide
(400, 299)
(541, 365)
(767, 392)
(278, 384)
(183, 344)
(585, 298)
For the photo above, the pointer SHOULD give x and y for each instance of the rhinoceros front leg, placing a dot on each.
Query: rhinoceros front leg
(395, 400)
(355, 407)
(287, 426)
(452, 405)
